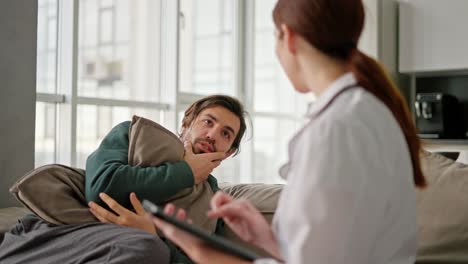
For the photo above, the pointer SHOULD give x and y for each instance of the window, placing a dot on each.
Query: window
(102, 61)
(94, 122)
(118, 50)
(47, 46)
(45, 133)
(98, 64)
(118, 59)
(277, 110)
(46, 81)
(207, 46)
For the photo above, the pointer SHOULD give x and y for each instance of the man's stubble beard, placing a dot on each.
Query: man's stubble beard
(185, 137)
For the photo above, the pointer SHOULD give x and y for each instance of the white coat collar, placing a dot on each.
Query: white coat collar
(344, 81)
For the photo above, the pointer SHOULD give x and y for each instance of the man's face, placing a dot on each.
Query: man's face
(213, 130)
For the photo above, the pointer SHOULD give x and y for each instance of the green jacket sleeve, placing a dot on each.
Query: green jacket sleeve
(107, 170)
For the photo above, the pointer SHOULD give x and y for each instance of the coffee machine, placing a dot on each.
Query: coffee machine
(439, 116)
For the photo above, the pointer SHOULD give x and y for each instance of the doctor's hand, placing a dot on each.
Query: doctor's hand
(245, 220)
(196, 249)
(202, 164)
(121, 215)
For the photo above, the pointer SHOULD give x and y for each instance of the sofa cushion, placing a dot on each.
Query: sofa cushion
(150, 144)
(263, 196)
(443, 211)
(55, 193)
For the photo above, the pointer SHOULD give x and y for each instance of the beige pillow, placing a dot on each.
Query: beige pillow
(443, 211)
(263, 196)
(150, 144)
(55, 193)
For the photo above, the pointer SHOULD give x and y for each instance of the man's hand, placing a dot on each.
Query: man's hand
(121, 215)
(202, 164)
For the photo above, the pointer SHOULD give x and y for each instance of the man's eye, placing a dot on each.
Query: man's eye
(226, 135)
(207, 121)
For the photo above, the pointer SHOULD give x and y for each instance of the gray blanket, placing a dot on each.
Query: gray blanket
(34, 241)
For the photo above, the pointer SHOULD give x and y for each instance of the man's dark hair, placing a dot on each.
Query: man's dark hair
(230, 103)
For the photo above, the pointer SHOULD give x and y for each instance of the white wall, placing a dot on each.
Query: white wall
(380, 38)
(433, 36)
(18, 22)
(369, 40)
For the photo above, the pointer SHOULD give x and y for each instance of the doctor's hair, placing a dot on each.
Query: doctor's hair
(230, 103)
(334, 28)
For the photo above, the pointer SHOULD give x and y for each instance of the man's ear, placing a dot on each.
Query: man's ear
(182, 131)
(290, 38)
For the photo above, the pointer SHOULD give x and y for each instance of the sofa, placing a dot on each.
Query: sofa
(263, 196)
(9, 216)
(442, 210)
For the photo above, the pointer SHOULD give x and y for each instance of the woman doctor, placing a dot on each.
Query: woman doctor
(352, 168)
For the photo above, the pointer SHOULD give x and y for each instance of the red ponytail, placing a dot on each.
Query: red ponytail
(372, 76)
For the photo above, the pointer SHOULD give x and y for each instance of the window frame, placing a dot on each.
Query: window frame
(66, 97)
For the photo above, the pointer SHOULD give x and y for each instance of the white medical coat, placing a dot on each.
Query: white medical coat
(350, 195)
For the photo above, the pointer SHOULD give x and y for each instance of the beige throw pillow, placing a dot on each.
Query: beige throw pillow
(150, 144)
(443, 211)
(55, 193)
(263, 196)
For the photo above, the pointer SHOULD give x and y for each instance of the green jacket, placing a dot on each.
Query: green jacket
(107, 170)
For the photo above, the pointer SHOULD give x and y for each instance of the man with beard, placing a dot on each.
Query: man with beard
(212, 129)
